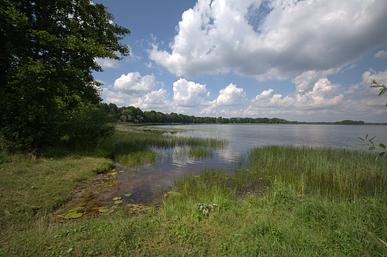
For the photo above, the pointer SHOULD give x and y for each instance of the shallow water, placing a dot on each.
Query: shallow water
(147, 183)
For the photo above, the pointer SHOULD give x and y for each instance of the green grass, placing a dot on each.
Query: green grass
(288, 202)
(326, 172)
(31, 189)
(136, 158)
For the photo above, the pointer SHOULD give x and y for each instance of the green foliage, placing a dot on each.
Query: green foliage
(132, 114)
(48, 54)
(382, 88)
(370, 141)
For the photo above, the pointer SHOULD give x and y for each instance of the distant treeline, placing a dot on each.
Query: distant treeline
(133, 114)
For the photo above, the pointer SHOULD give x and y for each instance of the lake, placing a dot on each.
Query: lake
(146, 183)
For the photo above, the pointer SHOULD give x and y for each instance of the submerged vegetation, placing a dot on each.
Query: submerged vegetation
(200, 152)
(287, 202)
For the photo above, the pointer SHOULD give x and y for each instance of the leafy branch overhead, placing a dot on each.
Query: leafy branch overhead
(382, 88)
(48, 54)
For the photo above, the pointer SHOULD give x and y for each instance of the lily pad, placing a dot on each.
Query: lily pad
(117, 198)
(118, 202)
(74, 213)
(102, 209)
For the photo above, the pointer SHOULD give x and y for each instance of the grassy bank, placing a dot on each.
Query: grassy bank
(31, 187)
(290, 202)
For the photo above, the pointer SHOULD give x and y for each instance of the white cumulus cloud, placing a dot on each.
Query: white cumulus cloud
(189, 94)
(135, 82)
(229, 95)
(272, 39)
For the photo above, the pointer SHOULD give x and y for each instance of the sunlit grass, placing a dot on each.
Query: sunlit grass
(326, 172)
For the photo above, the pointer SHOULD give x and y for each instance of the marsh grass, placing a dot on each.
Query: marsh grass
(137, 158)
(133, 148)
(132, 145)
(325, 172)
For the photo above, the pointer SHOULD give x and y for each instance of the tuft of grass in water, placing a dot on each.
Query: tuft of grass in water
(200, 152)
(137, 158)
(133, 147)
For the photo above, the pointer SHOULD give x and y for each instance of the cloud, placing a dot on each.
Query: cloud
(371, 75)
(381, 54)
(229, 95)
(305, 81)
(321, 95)
(107, 63)
(134, 82)
(228, 102)
(155, 100)
(189, 94)
(137, 90)
(272, 39)
(321, 99)
(315, 98)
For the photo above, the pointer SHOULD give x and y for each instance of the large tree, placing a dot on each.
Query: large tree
(48, 52)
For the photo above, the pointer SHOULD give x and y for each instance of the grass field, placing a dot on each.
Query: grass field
(287, 202)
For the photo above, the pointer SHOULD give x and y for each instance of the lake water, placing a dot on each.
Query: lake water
(147, 183)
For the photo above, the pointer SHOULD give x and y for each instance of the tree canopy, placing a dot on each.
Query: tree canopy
(48, 53)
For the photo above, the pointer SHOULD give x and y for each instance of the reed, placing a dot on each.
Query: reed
(326, 172)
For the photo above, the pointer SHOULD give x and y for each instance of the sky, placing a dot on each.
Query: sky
(309, 60)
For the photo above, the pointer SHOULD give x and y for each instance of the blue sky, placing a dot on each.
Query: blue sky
(299, 60)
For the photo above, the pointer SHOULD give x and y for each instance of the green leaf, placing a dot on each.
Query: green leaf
(74, 213)
(382, 91)
(103, 209)
(382, 146)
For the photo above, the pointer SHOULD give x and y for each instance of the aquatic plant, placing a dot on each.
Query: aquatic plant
(200, 152)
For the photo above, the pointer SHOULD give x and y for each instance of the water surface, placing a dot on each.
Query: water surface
(147, 183)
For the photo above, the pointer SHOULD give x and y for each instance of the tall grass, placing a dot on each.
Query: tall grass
(134, 147)
(327, 172)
